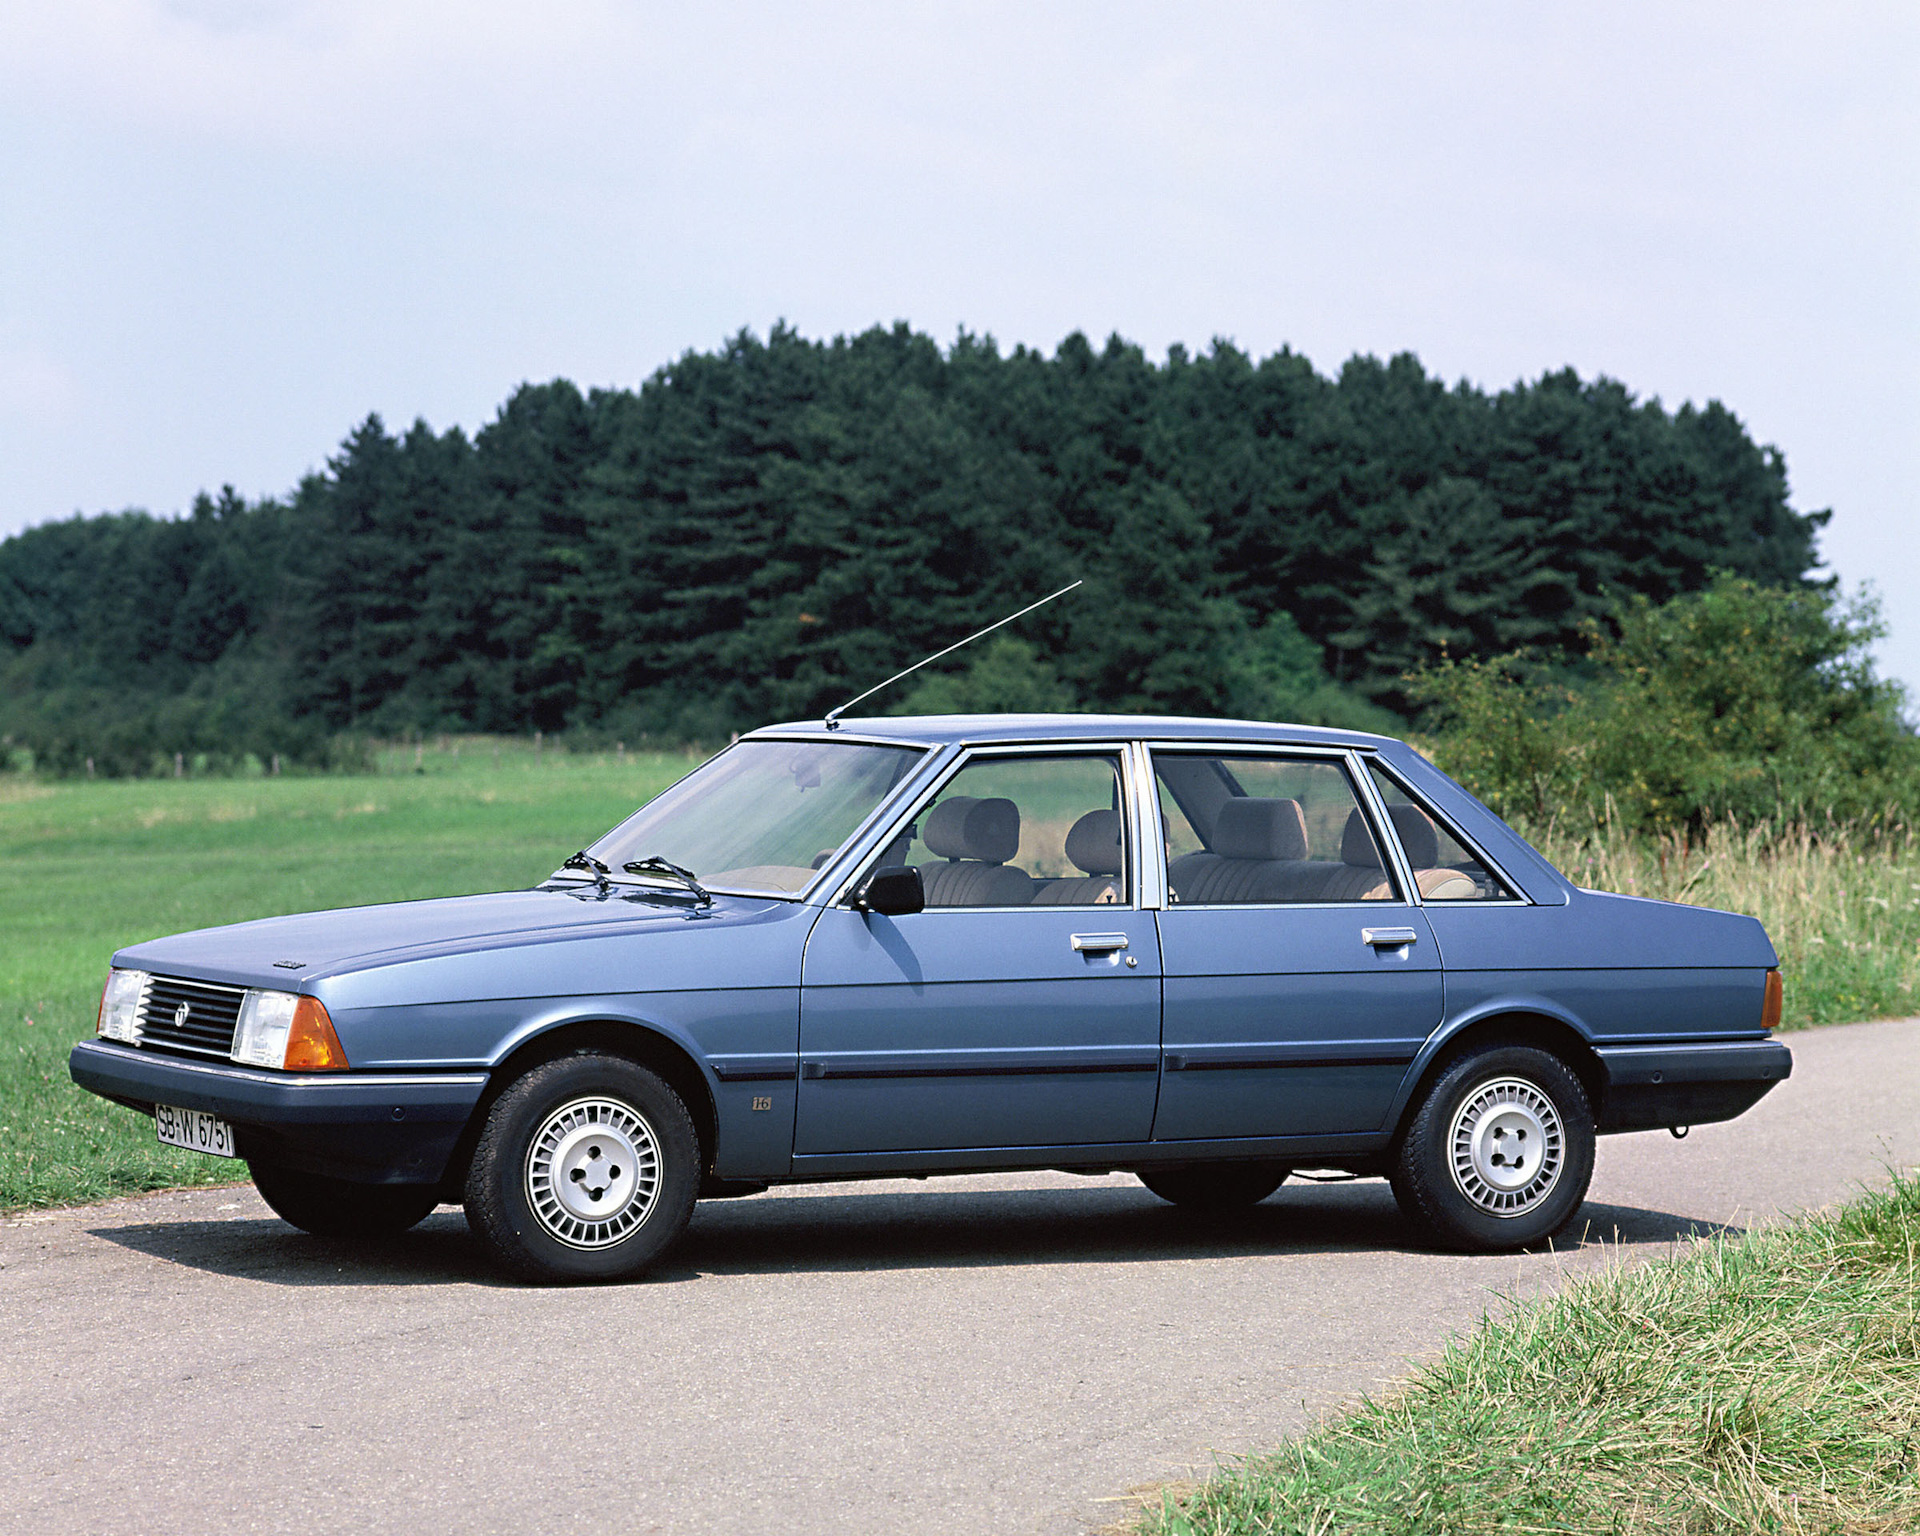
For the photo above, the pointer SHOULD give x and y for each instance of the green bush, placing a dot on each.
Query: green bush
(1740, 701)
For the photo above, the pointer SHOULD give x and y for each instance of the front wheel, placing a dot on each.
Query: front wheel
(587, 1169)
(1499, 1154)
(1214, 1186)
(337, 1208)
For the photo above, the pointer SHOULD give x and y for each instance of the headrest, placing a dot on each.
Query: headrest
(1417, 835)
(1356, 843)
(1247, 828)
(964, 828)
(1094, 843)
(1410, 823)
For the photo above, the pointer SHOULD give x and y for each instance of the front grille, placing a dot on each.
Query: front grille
(207, 1024)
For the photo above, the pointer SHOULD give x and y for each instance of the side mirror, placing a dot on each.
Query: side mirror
(893, 890)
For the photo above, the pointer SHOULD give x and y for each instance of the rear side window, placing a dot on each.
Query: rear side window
(1260, 830)
(1445, 868)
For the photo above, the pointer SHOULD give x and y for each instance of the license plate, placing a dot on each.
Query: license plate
(193, 1129)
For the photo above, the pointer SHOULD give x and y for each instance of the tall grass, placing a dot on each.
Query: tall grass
(1841, 903)
(1763, 1383)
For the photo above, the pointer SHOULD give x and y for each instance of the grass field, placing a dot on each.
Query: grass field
(1764, 1383)
(88, 867)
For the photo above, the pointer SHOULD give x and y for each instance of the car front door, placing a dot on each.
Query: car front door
(1022, 1007)
(1300, 981)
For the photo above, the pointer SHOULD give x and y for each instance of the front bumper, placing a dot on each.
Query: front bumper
(1694, 1083)
(371, 1127)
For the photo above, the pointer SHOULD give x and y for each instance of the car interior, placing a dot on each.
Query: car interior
(1015, 832)
(1022, 831)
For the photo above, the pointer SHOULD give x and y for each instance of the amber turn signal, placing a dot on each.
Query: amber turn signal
(1770, 1009)
(312, 1046)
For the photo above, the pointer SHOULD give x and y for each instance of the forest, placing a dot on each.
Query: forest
(758, 532)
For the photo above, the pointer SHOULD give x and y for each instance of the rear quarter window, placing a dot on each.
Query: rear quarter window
(1444, 867)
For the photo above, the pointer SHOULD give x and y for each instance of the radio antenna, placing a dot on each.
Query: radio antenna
(833, 715)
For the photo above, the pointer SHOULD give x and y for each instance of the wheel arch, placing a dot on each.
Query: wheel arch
(1517, 1023)
(652, 1048)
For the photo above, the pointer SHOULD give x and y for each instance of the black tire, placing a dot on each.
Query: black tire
(531, 1195)
(1499, 1154)
(1214, 1186)
(337, 1208)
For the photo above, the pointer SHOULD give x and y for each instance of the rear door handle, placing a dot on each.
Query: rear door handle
(1388, 938)
(1099, 943)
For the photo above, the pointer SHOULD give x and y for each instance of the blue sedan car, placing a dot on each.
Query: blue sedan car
(1206, 952)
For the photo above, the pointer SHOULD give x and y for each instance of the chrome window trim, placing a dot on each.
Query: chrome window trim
(1383, 830)
(964, 754)
(1364, 797)
(1149, 837)
(1372, 760)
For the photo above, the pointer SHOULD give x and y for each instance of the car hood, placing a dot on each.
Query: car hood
(288, 952)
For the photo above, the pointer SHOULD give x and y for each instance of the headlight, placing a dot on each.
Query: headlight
(120, 1005)
(260, 1037)
(286, 1030)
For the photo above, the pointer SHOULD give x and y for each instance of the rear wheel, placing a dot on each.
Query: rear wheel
(337, 1208)
(1215, 1186)
(587, 1169)
(1499, 1154)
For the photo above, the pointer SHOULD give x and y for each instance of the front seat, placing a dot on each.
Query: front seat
(976, 838)
(1093, 846)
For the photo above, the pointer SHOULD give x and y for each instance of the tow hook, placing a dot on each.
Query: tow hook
(1678, 1132)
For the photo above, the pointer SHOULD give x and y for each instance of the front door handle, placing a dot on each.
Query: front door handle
(1388, 938)
(1099, 943)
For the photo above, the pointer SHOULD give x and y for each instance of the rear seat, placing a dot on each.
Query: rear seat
(1259, 854)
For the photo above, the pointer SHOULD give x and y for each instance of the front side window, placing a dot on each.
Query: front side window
(1021, 831)
(1256, 829)
(1444, 867)
(763, 816)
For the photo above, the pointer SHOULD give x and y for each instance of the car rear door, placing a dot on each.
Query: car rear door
(1300, 981)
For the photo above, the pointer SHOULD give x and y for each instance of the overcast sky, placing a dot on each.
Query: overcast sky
(229, 229)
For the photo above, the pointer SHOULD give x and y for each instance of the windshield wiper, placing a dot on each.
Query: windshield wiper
(586, 861)
(656, 865)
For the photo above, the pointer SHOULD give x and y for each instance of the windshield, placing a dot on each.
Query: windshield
(763, 815)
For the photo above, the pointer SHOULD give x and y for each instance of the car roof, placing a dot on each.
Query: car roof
(943, 730)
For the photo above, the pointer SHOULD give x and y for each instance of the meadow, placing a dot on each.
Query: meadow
(89, 866)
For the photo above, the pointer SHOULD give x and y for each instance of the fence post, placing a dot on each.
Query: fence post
(179, 765)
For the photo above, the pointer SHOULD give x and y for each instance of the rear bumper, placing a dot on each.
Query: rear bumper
(371, 1127)
(1653, 1086)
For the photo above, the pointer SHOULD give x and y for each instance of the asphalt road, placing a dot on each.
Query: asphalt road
(988, 1354)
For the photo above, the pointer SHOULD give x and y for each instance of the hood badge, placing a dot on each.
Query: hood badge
(181, 1014)
(290, 965)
